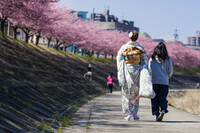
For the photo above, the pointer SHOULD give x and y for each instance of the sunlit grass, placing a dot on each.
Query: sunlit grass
(60, 130)
(188, 71)
(19, 41)
(185, 100)
(91, 58)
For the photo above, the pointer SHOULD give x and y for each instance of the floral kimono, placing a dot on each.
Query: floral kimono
(131, 58)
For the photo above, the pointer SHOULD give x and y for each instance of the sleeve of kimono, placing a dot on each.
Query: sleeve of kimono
(144, 61)
(170, 68)
(120, 66)
(149, 66)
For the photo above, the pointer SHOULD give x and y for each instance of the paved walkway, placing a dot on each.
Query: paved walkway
(104, 115)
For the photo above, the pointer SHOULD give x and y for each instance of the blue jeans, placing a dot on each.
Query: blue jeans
(159, 103)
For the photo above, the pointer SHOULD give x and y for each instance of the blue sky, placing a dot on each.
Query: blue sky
(159, 18)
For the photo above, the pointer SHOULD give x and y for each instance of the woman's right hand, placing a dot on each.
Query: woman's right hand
(133, 101)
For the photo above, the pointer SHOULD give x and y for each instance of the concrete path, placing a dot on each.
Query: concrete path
(104, 115)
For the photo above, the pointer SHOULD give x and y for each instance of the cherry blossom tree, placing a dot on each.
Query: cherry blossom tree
(7, 8)
(48, 19)
(13, 9)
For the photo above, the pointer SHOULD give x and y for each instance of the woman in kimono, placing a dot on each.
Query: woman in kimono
(131, 58)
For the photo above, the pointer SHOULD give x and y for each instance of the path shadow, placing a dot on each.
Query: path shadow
(180, 121)
(169, 121)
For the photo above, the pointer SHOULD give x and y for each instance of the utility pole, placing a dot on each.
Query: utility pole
(176, 35)
(122, 15)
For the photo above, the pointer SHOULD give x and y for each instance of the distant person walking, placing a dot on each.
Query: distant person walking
(31, 39)
(110, 82)
(89, 73)
(130, 58)
(198, 85)
(161, 69)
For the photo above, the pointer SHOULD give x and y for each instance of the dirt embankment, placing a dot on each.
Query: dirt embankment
(187, 100)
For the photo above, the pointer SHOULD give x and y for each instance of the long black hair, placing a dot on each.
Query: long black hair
(111, 75)
(161, 51)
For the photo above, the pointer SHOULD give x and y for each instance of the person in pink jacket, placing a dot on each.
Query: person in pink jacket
(110, 82)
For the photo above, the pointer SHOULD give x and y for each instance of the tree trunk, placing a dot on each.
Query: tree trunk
(97, 54)
(74, 50)
(112, 56)
(49, 40)
(15, 31)
(27, 37)
(59, 45)
(37, 39)
(2, 25)
(92, 53)
(105, 55)
(64, 47)
(56, 46)
(82, 50)
(26, 31)
(87, 52)
(3, 19)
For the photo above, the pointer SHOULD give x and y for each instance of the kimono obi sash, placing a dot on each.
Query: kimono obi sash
(132, 55)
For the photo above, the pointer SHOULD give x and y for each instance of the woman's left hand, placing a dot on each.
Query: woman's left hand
(133, 101)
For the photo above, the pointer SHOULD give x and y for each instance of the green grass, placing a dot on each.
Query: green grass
(59, 130)
(31, 75)
(15, 40)
(57, 116)
(190, 71)
(75, 103)
(90, 58)
(66, 122)
(88, 125)
(44, 126)
(4, 88)
(3, 35)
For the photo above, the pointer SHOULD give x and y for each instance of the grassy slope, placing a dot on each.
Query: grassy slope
(194, 71)
(40, 88)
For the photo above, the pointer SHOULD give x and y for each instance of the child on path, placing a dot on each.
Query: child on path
(161, 69)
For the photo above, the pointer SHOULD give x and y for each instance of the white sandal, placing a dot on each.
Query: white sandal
(127, 118)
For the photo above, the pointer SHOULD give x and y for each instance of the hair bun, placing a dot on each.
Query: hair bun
(130, 34)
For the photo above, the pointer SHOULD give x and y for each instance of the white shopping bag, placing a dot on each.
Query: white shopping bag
(146, 87)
